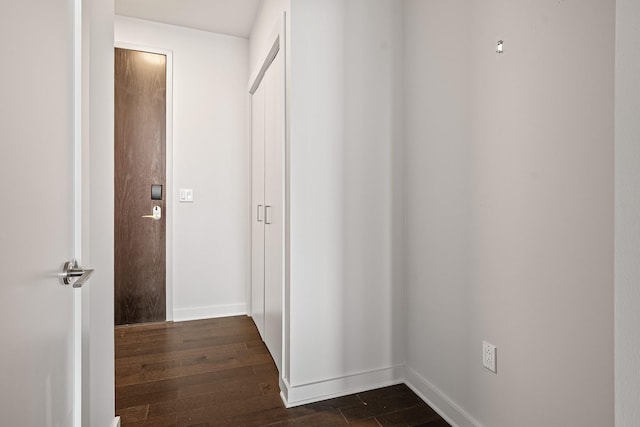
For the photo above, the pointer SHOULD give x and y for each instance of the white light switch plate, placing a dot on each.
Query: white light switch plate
(186, 195)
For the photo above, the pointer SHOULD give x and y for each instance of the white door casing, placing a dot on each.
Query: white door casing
(257, 207)
(274, 199)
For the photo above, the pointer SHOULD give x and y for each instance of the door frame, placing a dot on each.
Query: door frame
(168, 214)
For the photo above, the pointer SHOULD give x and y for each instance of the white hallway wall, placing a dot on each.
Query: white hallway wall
(627, 295)
(346, 154)
(509, 189)
(267, 19)
(525, 314)
(210, 151)
(346, 301)
(344, 329)
(98, 399)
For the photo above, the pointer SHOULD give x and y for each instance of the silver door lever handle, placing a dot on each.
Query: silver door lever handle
(74, 275)
(156, 213)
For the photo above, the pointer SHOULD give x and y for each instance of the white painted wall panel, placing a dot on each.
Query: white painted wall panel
(627, 271)
(98, 400)
(317, 164)
(346, 292)
(509, 189)
(257, 207)
(268, 19)
(438, 167)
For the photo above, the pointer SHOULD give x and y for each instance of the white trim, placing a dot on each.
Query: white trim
(77, 207)
(337, 387)
(169, 202)
(210, 312)
(438, 401)
(77, 357)
(116, 422)
(257, 75)
(284, 356)
(285, 48)
(277, 35)
(249, 224)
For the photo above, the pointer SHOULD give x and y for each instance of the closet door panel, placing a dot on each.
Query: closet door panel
(274, 198)
(257, 207)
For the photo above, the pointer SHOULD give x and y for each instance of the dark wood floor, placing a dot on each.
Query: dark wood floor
(218, 373)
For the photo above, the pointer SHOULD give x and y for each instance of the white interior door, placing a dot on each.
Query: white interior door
(257, 208)
(274, 199)
(37, 215)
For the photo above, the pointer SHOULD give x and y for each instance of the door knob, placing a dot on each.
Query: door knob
(74, 275)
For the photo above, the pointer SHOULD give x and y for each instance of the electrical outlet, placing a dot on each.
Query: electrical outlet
(489, 356)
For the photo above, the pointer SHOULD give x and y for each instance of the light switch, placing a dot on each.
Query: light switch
(186, 195)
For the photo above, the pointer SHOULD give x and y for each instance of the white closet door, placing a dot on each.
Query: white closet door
(257, 207)
(274, 199)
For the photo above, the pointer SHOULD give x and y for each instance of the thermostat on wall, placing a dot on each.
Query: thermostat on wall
(186, 195)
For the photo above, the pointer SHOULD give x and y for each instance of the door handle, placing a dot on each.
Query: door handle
(155, 214)
(74, 275)
(267, 219)
(259, 216)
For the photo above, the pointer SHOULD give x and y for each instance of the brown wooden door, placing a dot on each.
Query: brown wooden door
(140, 132)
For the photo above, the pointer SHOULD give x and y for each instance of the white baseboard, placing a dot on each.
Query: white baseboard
(314, 392)
(116, 422)
(197, 313)
(439, 402)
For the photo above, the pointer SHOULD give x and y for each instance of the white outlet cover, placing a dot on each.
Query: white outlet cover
(489, 356)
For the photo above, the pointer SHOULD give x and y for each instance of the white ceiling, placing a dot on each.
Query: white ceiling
(232, 17)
